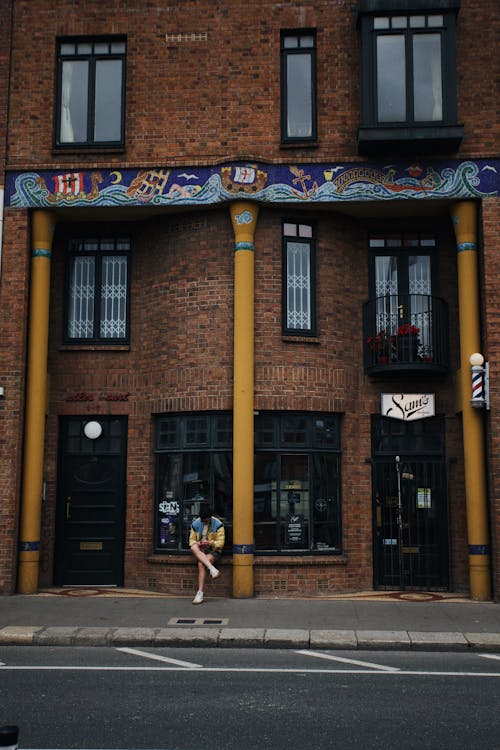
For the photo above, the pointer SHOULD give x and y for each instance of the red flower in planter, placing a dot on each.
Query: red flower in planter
(408, 330)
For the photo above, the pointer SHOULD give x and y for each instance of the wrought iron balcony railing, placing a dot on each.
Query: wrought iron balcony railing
(405, 332)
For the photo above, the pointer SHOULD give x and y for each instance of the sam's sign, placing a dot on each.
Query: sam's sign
(407, 406)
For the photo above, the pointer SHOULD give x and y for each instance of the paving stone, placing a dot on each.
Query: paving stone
(429, 640)
(187, 637)
(281, 638)
(55, 636)
(242, 637)
(487, 641)
(133, 636)
(385, 639)
(21, 635)
(333, 639)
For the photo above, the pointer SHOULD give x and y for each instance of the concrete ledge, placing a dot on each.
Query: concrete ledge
(341, 639)
(280, 638)
(432, 641)
(242, 637)
(386, 639)
(187, 637)
(488, 641)
(19, 635)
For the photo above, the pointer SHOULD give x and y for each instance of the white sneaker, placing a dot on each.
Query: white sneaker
(214, 572)
(198, 599)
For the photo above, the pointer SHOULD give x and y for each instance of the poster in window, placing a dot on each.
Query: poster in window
(167, 523)
(294, 532)
(424, 497)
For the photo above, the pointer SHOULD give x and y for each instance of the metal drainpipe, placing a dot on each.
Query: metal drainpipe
(244, 219)
(42, 229)
(464, 217)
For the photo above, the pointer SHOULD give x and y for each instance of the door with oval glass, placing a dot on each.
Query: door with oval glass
(90, 520)
(410, 505)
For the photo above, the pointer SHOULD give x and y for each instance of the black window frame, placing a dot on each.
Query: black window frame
(285, 52)
(92, 57)
(76, 247)
(410, 135)
(218, 441)
(288, 330)
(318, 436)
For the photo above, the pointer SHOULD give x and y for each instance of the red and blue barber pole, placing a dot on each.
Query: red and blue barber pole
(479, 374)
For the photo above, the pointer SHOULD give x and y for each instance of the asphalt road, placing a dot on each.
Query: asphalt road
(229, 699)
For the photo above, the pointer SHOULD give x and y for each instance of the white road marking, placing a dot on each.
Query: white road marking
(490, 656)
(349, 661)
(265, 670)
(147, 655)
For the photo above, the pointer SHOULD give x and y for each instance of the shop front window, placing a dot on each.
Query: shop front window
(297, 504)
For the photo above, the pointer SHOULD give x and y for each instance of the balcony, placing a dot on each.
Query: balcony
(405, 333)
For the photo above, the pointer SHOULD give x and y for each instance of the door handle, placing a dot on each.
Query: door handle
(68, 508)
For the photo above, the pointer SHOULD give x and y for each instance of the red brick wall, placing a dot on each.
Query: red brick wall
(491, 312)
(180, 359)
(13, 318)
(203, 100)
(216, 96)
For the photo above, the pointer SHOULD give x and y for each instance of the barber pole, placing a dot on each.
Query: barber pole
(478, 372)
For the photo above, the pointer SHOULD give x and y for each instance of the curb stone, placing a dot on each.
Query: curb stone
(432, 641)
(278, 638)
(242, 637)
(333, 639)
(489, 641)
(20, 635)
(190, 637)
(387, 639)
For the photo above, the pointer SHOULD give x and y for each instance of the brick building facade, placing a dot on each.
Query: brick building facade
(243, 259)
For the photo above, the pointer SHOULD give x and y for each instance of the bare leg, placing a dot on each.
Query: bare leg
(202, 566)
(206, 560)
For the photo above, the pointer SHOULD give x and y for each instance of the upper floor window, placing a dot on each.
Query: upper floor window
(298, 86)
(299, 313)
(409, 77)
(97, 291)
(91, 92)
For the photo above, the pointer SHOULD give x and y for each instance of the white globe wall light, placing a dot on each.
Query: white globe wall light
(92, 430)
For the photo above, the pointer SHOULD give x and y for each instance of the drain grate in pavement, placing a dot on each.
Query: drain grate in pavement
(198, 621)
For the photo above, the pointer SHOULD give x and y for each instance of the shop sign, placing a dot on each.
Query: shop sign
(407, 406)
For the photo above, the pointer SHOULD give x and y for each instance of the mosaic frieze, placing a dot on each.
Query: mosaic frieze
(265, 183)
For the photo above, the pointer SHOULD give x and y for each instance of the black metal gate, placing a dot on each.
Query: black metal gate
(410, 504)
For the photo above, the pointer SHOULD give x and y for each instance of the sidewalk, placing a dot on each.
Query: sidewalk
(370, 620)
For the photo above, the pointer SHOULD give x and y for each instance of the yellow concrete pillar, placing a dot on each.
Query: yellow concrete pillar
(42, 229)
(244, 219)
(464, 216)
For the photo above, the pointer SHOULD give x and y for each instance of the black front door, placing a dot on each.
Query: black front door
(410, 507)
(91, 503)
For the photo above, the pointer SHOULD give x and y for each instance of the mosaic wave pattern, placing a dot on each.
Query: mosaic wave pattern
(264, 183)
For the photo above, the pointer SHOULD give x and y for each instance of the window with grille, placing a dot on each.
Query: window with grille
(91, 92)
(97, 298)
(299, 314)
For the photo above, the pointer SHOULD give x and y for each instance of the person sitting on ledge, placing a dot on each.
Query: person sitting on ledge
(206, 540)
